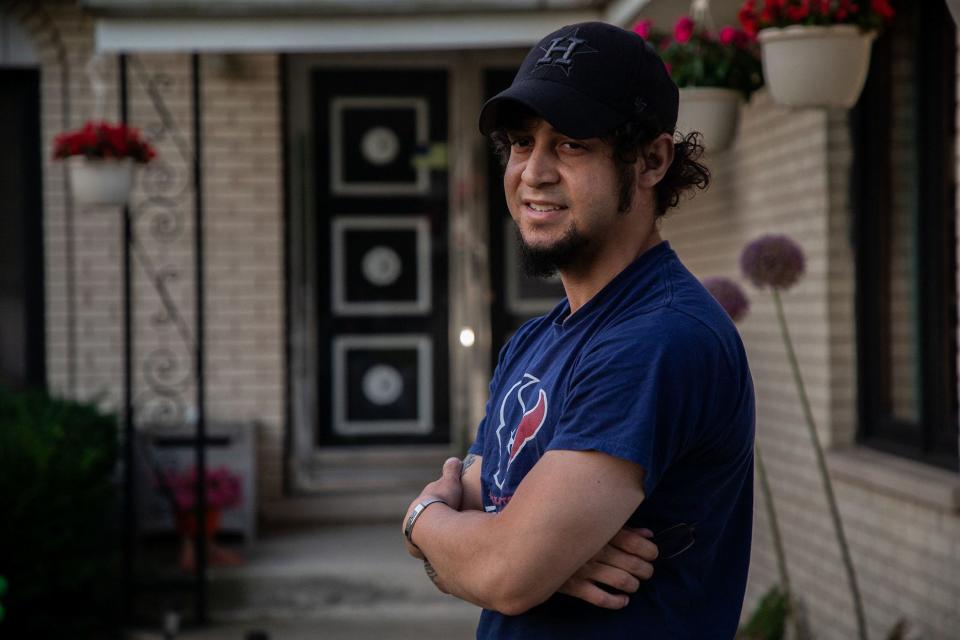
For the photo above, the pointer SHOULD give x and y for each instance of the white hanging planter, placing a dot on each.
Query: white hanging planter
(713, 111)
(100, 181)
(820, 66)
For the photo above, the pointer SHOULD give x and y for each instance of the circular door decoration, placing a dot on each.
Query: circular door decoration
(380, 146)
(374, 140)
(382, 384)
(381, 266)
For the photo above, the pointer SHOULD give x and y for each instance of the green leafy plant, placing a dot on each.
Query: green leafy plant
(58, 529)
(769, 619)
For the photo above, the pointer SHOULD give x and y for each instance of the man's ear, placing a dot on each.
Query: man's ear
(657, 158)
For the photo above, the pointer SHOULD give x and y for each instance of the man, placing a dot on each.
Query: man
(629, 405)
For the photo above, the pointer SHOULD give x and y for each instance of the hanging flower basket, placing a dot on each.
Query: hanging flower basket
(100, 181)
(100, 160)
(713, 111)
(818, 66)
(715, 72)
(816, 53)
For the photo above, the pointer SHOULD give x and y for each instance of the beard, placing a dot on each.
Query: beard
(544, 262)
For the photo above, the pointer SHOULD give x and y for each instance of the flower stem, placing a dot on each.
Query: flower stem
(822, 466)
(774, 526)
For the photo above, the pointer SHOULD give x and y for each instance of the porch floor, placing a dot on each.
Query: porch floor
(329, 582)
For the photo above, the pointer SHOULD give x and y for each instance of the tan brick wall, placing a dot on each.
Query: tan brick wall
(788, 173)
(243, 236)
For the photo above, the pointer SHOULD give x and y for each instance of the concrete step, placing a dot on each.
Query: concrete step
(356, 485)
(392, 457)
(379, 507)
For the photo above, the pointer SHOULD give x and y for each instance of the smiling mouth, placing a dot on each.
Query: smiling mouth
(539, 209)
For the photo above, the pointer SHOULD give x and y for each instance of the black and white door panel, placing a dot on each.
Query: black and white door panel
(381, 224)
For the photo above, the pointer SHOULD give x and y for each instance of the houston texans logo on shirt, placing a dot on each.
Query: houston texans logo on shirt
(523, 412)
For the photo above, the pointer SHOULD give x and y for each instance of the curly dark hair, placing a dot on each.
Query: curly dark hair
(628, 142)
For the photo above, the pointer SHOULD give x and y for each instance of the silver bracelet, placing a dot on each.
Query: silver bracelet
(417, 510)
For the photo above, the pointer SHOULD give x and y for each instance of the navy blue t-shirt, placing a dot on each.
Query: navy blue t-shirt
(651, 370)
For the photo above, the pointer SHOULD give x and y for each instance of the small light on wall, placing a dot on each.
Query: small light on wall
(467, 337)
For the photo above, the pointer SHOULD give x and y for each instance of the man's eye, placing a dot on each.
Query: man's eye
(574, 146)
(520, 142)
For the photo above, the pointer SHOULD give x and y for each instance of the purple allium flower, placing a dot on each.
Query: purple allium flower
(730, 296)
(772, 260)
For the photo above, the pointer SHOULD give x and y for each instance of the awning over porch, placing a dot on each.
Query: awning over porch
(340, 25)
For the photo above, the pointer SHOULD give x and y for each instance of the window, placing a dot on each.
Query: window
(904, 188)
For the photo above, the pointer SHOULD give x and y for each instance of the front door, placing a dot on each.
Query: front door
(381, 208)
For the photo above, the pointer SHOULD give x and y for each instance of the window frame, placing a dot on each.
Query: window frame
(934, 439)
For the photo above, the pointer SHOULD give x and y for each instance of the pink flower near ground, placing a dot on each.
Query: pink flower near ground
(683, 29)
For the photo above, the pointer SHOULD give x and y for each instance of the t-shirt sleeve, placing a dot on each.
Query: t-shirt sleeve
(639, 399)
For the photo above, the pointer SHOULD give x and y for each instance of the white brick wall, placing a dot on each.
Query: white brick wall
(787, 173)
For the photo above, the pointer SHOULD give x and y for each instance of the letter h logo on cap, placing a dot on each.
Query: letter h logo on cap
(566, 47)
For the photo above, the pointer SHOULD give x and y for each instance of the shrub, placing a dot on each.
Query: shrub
(58, 531)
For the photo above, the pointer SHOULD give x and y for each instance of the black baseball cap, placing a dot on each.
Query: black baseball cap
(587, 79)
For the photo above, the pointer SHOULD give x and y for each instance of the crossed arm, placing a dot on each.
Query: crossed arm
(562, 531)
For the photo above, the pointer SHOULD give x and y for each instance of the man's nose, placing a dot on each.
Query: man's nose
(540, 168)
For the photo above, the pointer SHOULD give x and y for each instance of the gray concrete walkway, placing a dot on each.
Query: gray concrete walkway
(350, 582)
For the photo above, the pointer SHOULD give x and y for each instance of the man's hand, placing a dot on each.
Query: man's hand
(448, 488)
(621, 564)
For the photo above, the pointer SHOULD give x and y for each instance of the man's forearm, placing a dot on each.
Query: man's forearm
(454, 561)
(566, 509)
(476, 558)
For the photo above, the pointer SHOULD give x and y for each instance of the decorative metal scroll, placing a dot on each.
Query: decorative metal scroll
(160, 218)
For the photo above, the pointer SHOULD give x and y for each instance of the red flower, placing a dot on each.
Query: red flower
(883, 8)
(772, 10)
(642, 28)
(798, 13)
(683, 29)
(748, 18)
(103, 140)
(728, 35)
(116, 139)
